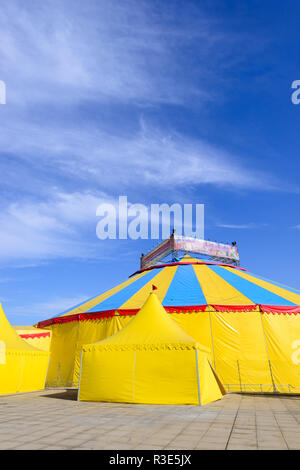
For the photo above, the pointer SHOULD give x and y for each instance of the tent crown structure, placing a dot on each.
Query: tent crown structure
(151, 328)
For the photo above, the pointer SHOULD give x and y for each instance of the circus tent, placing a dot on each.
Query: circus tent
(151, 360)
(250, 324)
(23, 368)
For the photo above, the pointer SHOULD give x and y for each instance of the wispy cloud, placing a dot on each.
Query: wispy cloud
(50, 229)
(61, 226)
(110, 160)
(98, 50)
(71, 70)
(250, 225)
(61, 56)
(237, 226)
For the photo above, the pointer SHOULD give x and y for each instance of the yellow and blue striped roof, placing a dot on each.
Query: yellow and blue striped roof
(191, 282)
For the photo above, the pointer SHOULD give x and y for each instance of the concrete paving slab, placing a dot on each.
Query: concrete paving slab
(53, 419)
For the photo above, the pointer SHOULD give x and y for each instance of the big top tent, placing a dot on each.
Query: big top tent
(250, 324)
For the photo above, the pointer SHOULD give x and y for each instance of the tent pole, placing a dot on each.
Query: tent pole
(238, 364)
(79, 375)
(199, 394)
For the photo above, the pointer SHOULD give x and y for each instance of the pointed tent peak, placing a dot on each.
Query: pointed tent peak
(10, 337)
(151, 328)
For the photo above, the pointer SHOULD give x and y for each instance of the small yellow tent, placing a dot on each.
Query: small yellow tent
(151, 360)
(23, 368)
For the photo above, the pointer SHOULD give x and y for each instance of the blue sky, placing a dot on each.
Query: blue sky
(162, 101)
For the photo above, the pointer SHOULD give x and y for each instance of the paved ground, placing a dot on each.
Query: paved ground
(54, 420)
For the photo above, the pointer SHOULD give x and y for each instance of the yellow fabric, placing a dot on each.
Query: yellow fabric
(151, 328)
(42, 343)
(285, 293)
(166, 377)
(283, 345)
(97, 369)
(151, 360)
(95, 330)
(62, 354)
(100, 298)
(163, 280)
(197, 325)
(216, 290)
(189, 259)
(68, 340)
(23, 368)
(67, 343)
(242, 343)
(238, 341)
(239, 348)
(210, 389)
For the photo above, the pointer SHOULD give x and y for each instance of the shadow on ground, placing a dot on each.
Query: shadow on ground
(273, 395)
(63, 395)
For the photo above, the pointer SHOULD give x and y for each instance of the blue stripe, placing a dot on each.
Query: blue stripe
(255, 293)
(184, 289)
(119, 298)
(290, 289)
(76, 306)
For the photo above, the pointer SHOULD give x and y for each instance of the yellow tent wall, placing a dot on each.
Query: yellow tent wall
(151, 360)
(66, 345)
(36, 337)
(23, 368)
(251, 351)
(152, 377)
(283, 349)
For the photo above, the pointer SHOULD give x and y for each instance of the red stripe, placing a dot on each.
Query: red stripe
(235, 308)
(112, 313)
(284, 310)
(180, 309)
(186, 309)
(36, 335)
